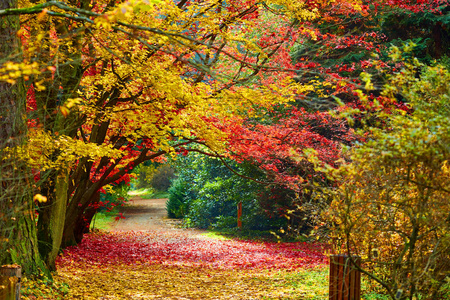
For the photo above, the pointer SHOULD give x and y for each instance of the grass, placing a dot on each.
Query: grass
(102, 220)
(217, 236)
(375, 296)
(255, 235)
(155, 195)
(139, 192)
(33, 287)
(303, 284)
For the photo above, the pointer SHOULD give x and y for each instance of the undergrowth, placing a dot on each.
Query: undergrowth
(34, 287)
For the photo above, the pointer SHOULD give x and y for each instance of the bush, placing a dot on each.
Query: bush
(206, 194)
(154, 175)
(392, 208)
(178, 204)
(254, 217)
(143, 173)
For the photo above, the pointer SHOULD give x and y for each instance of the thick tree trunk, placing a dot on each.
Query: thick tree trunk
(84, 220)
(440, 41)
(18, 241)
(21, 246)
(51, 220)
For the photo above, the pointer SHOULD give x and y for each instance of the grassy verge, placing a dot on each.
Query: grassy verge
(155, 195)
(375, 296)
(232, 233)
(103, 220)
(302, 284)
(258, 235)
(139, 192)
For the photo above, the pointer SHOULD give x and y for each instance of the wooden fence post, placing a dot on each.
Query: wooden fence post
(239, 215)
(345, 279)
(10, 278)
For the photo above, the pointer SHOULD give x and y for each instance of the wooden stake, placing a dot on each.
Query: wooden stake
(10, 278)
(345, 279)
(239, 215)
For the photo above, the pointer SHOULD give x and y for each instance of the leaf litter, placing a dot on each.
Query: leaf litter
(172, 264)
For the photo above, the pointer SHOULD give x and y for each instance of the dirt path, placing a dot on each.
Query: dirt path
(151, 215)
(143, 214)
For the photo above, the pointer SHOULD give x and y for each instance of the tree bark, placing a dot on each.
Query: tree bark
(51, 221)
(18, 240)
(75, 224)
(84, 221)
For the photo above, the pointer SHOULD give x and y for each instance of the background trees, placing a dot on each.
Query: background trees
(112, 85)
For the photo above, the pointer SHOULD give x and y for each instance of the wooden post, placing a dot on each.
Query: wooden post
(239, 215)
(345, 279)
(10, 278)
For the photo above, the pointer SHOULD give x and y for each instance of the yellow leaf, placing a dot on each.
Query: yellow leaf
(39, 198)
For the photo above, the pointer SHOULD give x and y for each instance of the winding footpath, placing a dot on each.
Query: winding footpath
(145, 256)
(144, 214)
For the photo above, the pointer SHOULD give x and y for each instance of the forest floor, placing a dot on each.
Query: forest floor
(146, 256)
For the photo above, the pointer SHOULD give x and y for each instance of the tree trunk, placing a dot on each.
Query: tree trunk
(51, 220)
(88, 215)
(85, 219)
(76, 221)
(18, 241)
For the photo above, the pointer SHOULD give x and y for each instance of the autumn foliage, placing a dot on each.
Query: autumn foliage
(392, 206)
(111, 85)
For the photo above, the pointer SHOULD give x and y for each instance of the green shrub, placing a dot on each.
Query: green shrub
(225, 222)
(206, 194)
(177, 206)
(143, 173)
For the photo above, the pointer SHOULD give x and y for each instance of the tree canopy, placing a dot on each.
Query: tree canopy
(92, 89)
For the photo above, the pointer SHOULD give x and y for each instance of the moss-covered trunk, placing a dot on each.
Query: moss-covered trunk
(18, 241)
(22, 240)
(51, 220)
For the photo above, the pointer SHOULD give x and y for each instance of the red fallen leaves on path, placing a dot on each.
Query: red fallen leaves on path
(175, 249)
